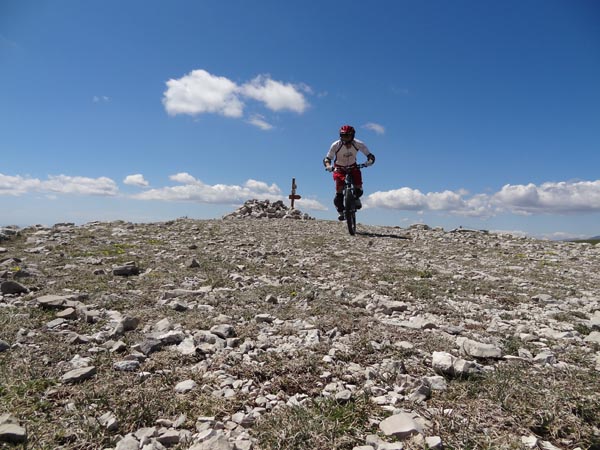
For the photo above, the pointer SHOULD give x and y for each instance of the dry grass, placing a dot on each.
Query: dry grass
(486, 412)
(322, 424)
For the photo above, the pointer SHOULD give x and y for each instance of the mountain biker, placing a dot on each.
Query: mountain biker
(343, 154)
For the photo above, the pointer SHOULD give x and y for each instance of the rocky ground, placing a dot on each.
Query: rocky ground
(258, 333)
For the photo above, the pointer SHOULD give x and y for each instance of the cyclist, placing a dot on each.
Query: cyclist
(343, 154)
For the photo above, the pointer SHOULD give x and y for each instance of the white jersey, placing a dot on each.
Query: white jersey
(344, 155)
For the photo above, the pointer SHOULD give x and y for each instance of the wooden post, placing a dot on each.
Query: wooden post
(293, 195)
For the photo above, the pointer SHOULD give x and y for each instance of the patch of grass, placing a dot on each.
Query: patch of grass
(511, 345)
(516, 400)
(582, 329)
(322, 424)
(292, 375)
(568, 316)
(425, 273)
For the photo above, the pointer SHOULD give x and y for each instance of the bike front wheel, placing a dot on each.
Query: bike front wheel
(351, 222)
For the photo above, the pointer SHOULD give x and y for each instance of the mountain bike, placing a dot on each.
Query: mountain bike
(350, 200)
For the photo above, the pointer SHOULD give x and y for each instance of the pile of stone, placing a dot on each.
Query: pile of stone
(265, 209)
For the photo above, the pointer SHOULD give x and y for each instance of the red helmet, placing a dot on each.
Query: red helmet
(347, 133)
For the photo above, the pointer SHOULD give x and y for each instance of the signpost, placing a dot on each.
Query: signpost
(293, 195)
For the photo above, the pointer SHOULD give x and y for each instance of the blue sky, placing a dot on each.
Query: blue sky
(481, 114)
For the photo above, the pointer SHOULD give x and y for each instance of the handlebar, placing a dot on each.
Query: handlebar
(359, 166)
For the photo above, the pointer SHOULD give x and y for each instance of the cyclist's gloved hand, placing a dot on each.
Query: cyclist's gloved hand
(329, 169)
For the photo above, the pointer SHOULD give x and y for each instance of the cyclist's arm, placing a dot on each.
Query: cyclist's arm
(330, 154)
(365, 151)
(332, 151)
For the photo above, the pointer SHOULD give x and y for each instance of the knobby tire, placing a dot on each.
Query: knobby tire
(350, 212)
(351, 221)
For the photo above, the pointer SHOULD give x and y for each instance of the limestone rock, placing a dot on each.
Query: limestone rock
(401, 425)
(13, 433)
(79, 375)
(478, 349)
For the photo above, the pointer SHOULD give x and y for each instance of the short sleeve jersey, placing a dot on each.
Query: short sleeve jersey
(343, 155)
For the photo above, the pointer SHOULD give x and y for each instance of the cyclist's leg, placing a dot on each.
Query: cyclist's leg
(338, 200)
(358, 183)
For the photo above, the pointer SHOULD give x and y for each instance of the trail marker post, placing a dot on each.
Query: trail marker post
(293, 196)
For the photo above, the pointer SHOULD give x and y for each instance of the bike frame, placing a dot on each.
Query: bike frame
(350, 199)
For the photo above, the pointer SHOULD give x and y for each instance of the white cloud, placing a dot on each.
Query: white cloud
(258, 121)
(261, 186)
(379, 129)
(200, 92)
(275, 95)
(547, 198)
(185, 178)
(447, 201)
(135, 180)
(60, 184)
(100, 98)
(404, 198)
(550, 198)
(17, 185)
(309, 204)
(63, 184)
(195, 190)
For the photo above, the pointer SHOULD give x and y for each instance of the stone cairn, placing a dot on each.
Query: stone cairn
(265, 209)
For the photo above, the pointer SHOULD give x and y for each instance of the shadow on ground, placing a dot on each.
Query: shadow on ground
(380, 235)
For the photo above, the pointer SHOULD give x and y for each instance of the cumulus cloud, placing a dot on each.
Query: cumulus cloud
(262, 187)
(135, 180)
(201, 92)
(310, 204)
(184, 178)
(551, 197)
(17, 185)
(63, 184)
(414, 200)
(548, 198)
(275, 95)
(59, 184)
(379, 129)
(194, 190)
